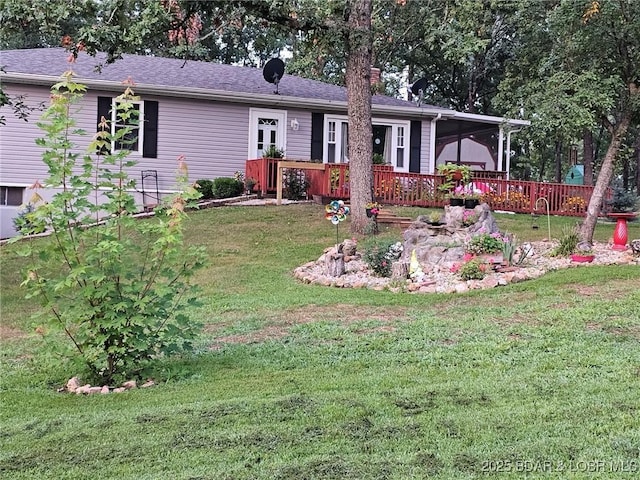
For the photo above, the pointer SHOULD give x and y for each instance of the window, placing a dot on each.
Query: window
(401, 161)
(145, 129)
(11, 196)
(390, 140)
(337, 142)
(131, 119)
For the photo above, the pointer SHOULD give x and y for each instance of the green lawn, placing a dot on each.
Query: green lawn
(539, 379)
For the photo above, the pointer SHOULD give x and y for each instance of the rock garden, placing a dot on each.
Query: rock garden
(459, 251)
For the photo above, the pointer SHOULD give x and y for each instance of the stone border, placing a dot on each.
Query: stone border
(441, 280)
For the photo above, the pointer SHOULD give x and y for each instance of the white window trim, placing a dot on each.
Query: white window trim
(254, 115)
(386, 122)
(114, 120)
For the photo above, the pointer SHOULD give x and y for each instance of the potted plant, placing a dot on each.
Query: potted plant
(434, 218)
(372, 209)
(454, 175)
(471, 198)
(273, 152)
(456, 196)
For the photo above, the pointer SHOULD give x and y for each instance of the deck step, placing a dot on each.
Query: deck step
(390, 218)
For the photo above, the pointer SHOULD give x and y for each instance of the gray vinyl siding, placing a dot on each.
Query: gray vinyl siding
(299, 141)
(20, 158)
(212, 136)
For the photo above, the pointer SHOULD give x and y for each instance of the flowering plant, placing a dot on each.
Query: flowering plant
(373, 206)
(469, 217)
(380, 254)
(485, 243)
(457, 192)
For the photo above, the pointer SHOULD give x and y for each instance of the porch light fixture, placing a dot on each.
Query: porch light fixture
(295, 125)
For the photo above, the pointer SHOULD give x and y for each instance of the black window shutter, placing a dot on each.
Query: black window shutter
(317, 134)
(150, 132)
(104, 110)
(414, 147)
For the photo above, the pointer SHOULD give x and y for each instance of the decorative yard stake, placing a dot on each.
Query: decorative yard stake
(548, 218)
(337, 212)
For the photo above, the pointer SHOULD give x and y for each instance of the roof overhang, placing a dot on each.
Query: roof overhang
(473, 117)
(272, 100)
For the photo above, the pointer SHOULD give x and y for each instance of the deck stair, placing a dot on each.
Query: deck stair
(388, 217)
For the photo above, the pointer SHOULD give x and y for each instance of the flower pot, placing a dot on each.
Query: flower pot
(456, 202)
(369, 212)
(471, 203)
(576, 257)
(456, 176)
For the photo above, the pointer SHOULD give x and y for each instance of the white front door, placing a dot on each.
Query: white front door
(266, 129)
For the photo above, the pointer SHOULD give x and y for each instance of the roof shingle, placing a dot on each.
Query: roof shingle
(176, 73)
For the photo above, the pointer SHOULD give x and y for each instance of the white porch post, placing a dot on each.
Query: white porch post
(508, 152)
(501, 149)
(432, 144)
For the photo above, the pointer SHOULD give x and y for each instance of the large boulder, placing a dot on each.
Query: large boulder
(440, 246)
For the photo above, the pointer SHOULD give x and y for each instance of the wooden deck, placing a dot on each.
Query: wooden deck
(413, 189)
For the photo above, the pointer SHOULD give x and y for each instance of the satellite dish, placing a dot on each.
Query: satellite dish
(273, 72)
(418, 89)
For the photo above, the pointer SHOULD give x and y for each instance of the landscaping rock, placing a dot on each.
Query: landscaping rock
(72, 384)
(432, 251)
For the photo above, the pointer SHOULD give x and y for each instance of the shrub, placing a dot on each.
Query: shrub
(621, 200)
(117, 287)
(205, 188)
(380, 254)
(378, 159)
(295, 184)
(22, 222)
(225, 187)
(473, 270)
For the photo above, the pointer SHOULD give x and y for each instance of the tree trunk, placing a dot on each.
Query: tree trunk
(638, 162)
(604, 178)
(558, 158)
(587, 140)
(625, 173)
(358, 80)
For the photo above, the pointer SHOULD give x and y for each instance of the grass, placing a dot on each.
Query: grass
(295, 381)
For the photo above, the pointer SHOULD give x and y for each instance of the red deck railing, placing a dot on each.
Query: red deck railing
(398, 188)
